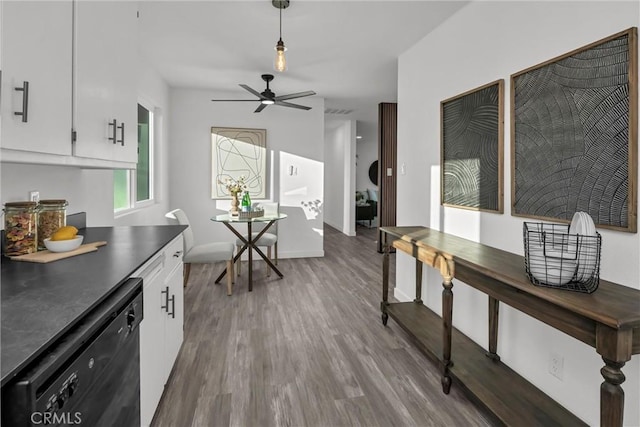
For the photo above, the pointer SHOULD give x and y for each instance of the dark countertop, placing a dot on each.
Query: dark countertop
(40, 302)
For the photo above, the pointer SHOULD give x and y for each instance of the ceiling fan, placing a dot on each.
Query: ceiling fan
(267, 97)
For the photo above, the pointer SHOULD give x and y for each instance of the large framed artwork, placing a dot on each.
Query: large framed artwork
(574, 135)
(238, 152)
(472, 137)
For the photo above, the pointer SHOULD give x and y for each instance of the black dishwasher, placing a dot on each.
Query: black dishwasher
(91, 377)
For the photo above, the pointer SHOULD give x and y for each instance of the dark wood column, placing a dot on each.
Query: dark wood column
(387, 176)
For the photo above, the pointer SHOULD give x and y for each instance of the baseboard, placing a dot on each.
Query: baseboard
(401, 296)
(304, 254)
(350, 233)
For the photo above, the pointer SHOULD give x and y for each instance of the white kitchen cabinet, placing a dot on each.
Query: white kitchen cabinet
(161, 330)
(80, 61)
(36, 52)
(105, 104)
(174, 328)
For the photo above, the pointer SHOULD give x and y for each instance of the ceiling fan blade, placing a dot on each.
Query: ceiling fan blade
(261, 107)
(289, 104)
(253, 91)
(295, 95)
(235, 100)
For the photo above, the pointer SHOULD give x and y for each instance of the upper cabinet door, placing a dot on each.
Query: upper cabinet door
(36, 57)
(105, 112)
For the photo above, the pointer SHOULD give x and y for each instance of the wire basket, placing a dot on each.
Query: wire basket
(554, 258)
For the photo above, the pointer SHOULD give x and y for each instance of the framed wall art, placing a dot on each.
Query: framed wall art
(472, 137)
(237, 152)
(574, 123)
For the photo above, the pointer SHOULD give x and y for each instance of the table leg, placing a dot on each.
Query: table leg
(268, 261)
(250, 246)
(418, 282)
(447, 323)
(616, 347)
(264, 257)
(385, 277)
(494, 306)
(611, 394)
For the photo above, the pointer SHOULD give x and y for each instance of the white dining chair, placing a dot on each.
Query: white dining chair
(202, 254)
(268, 239)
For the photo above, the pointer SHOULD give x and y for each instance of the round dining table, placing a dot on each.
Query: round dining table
(249, 241)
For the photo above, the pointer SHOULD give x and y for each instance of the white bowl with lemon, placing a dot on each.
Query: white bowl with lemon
(65, 239)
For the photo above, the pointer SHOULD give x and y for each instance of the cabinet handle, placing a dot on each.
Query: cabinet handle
(173, 307)
(113, 131)
(177, 254)
(121, 127)
(165, 305)
(25, 101)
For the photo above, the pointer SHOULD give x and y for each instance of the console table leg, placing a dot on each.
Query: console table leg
(447, 323)
(611, 394)
(418, 282)
(494, 306)
(385, 278)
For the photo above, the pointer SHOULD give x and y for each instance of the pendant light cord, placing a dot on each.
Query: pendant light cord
(280, 21)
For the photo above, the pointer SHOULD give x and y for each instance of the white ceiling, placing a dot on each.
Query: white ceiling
(346, 51)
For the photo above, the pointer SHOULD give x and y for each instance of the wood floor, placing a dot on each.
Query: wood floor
(306, 350)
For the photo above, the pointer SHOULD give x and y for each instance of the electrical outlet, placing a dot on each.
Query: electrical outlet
(556, 363)
(34, 196)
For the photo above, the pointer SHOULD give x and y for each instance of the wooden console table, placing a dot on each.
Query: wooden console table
(607, 320)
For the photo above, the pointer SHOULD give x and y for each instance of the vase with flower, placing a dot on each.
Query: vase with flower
(234, 187)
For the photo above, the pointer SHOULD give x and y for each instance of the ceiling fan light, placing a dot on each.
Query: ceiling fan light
(267, 101)
(280, 62)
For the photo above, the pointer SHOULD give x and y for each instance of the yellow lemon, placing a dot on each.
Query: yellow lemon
(67, 232)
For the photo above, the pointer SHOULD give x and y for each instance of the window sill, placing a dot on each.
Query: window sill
(128, 211)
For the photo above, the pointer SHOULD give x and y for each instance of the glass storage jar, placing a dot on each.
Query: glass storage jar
(52, 214)
(20, 228)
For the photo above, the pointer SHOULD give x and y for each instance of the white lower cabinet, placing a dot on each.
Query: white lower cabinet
(161, 330)
(174, 327)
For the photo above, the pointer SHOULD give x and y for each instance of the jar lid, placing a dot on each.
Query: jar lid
(53, 202)
(25, 204)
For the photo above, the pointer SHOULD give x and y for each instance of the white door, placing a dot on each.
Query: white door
(174, 330)
(151, 348)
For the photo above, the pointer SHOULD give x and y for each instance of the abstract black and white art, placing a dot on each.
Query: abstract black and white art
(237, 152)
(472, 139)
(574, 135)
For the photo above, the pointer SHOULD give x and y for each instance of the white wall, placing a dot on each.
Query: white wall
(91, 191)
(339, 179)
(88, 191)
(294, 138)
(483, 42)
(153, 93)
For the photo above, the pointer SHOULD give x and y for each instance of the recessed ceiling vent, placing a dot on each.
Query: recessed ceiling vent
(337, 111)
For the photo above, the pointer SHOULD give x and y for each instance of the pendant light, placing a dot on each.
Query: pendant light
(280, 62)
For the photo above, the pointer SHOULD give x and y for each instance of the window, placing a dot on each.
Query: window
(134, 188)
